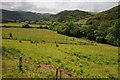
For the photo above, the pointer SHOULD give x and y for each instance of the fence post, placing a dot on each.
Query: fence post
(57, 74)
(20, 63)
(60, 74)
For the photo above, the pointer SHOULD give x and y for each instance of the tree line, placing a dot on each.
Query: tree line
(103, 33)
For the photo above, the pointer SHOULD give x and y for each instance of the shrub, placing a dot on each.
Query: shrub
(26, 26)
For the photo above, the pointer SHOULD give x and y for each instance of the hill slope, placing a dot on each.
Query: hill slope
(70, 15)
(110, 15)
(22, 15)
(107, 24)
(81, 59)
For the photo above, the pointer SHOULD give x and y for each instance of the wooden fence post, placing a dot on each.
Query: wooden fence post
(60, 74)
(57, 74)
(20, 63)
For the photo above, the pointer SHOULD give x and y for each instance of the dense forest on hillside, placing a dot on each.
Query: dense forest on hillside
(108, 25)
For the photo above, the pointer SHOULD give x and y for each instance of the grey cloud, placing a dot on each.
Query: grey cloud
(55, 7)
(18, 6)
(97, 6)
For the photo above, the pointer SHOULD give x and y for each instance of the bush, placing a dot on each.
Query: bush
(26, 26)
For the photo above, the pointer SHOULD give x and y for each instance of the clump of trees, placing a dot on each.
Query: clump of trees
(69, 28)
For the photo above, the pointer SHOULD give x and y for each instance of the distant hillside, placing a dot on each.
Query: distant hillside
(110, 16)
(67, 15)
(22, 15)
(70, 15)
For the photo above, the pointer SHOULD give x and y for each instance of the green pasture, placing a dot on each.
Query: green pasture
(78, 57)
(42, 35)
(16, 25)
(82, 21)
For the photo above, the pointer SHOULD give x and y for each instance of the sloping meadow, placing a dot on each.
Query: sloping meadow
(77, 57)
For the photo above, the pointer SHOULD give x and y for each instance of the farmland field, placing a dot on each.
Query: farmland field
(16, 25)
(44, 50)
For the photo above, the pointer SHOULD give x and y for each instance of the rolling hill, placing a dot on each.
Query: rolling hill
(70, 15)
(66, 15)
(22, 15)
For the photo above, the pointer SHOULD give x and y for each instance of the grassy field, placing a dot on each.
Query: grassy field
(83, 21)
(17, 25)
(42, 35)
(44, 50)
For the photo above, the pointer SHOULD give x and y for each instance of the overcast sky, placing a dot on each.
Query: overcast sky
(55, 7)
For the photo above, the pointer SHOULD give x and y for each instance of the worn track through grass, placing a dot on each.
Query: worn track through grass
(49, 67)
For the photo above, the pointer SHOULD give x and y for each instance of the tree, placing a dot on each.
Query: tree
(101, 32)
(88, 31)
